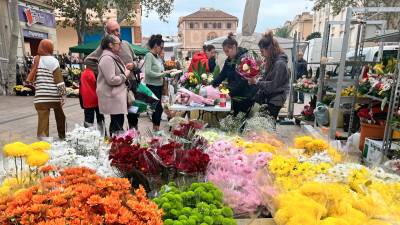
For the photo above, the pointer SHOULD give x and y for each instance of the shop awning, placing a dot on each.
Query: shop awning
(90, 47)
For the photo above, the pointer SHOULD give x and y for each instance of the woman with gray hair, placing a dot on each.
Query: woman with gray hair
(111, 89)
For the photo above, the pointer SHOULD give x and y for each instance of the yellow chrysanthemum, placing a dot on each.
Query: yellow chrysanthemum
(40, 146)
(301, 142)
(37, 158)
(10, 182)
(4, 190)
(17, 149)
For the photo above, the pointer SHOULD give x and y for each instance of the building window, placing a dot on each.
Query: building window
(229, 25)
(219, 25)
(205, 25)
(215, 25)
(211, 36)
(191, 25)
(196, 25)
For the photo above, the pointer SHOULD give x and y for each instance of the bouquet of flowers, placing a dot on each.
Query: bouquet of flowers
(306, 85)
(249, 67)
(194, 80)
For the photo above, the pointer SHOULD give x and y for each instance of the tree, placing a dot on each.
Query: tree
(80, 14)
(12, 54)
(338, 5)
(313, 35)
(282, 32)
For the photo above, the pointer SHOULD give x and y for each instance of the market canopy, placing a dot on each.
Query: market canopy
(90, 47)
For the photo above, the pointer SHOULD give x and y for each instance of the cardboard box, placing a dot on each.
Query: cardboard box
(373, 151)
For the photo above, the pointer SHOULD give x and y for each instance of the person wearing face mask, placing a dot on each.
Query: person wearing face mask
(111, 89)
(127, 56)
(154, 75)
(204, 58)
(239, 89)
(273, 85)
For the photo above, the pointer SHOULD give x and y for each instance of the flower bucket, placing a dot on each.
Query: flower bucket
(370, 131)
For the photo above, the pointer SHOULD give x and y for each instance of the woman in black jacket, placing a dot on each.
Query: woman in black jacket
(239, 89)
(273, 85)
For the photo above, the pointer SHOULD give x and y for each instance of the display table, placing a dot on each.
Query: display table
(202, 110)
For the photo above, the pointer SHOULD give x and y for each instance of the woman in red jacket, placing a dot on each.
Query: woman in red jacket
(88, 97)
(206, 57)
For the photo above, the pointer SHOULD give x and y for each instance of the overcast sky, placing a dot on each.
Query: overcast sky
(273, 13)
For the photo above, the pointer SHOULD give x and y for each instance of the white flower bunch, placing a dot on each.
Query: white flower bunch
(83, 147)
(317, 158)
(86, 141)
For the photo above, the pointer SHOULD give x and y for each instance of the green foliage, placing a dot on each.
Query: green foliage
(80, 14)
(313, 35)
(217, 71)
(282, 32)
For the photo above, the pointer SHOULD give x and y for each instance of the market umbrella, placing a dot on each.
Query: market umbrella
(90, 47)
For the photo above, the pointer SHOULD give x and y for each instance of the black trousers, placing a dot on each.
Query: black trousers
(243, 106)
(156, 118)
(271, 110)
(133, 120)
(89, 117)
(116, 124)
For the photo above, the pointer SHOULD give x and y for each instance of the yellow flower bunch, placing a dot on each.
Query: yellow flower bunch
(37, 158)
(358, 179)
(337, 204)
(255, 147)
(349, 91)
(310, 144)
(12, 184)
(290, 174)
(40, 146)
(18, 87)
(192, 78)
(17, 149)
(301, 142)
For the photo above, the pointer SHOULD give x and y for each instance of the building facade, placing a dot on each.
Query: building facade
(322, 15)
(302, 25)
(204, 25)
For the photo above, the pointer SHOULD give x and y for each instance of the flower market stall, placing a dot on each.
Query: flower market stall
(194, 175)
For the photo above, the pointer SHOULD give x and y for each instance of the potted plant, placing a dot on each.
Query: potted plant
(372, 123)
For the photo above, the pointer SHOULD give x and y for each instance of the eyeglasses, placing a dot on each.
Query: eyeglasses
(116, 43)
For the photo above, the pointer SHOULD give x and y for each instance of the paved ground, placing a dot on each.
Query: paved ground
(18, 120)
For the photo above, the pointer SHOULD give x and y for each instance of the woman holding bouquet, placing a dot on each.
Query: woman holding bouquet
(273, 86)
(240, 90)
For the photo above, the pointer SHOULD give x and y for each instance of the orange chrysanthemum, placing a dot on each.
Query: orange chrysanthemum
(79, 196)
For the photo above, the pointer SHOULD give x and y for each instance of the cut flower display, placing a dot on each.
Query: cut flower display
(79, 196)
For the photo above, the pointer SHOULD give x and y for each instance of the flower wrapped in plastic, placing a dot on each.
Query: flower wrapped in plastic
(236, 174)
(186, 97)
(248, 67)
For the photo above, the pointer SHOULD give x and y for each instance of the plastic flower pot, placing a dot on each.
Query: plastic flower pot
(373, 131)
